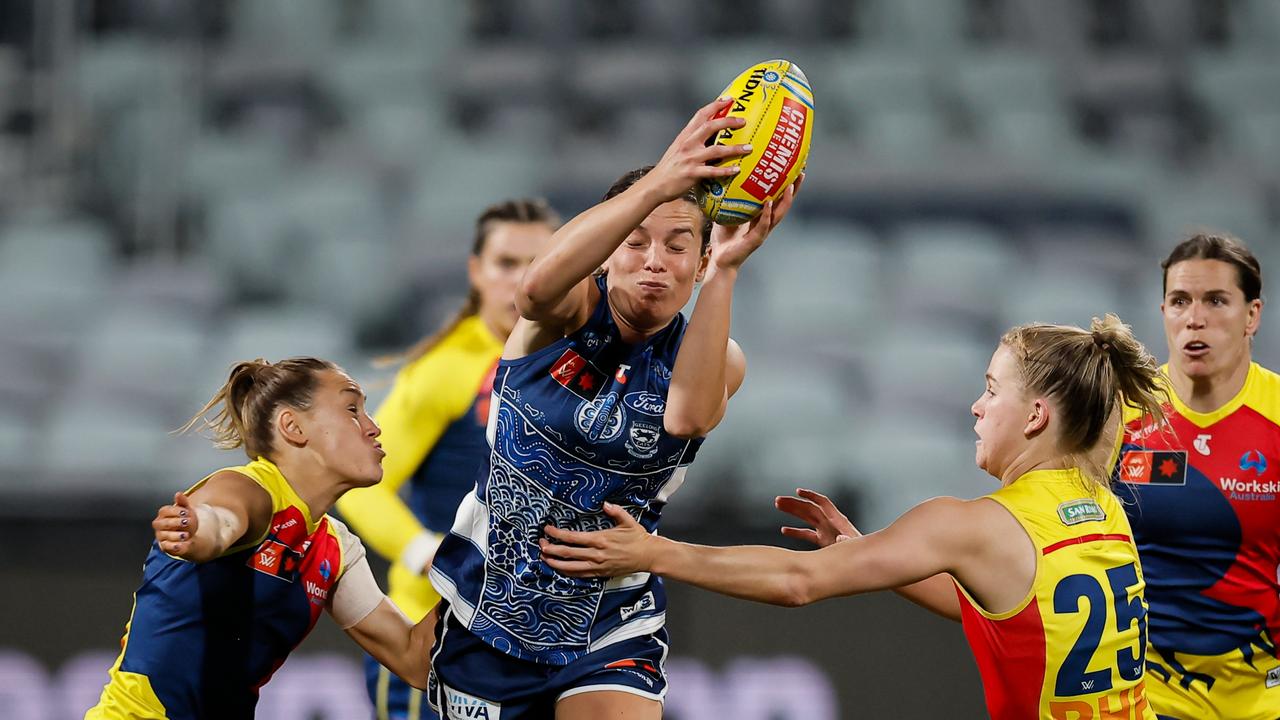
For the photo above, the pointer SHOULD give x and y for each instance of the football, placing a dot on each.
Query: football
(775, 99)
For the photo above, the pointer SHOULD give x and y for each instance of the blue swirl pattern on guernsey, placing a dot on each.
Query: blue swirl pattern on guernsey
(572, 426)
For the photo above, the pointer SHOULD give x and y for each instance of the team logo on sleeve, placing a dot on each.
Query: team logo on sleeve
(1154, 467)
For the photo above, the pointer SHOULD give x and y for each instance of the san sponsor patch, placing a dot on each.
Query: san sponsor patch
(276, 559)
(1074, 512)
(461, 705)
(1154, 467)
(578, 375)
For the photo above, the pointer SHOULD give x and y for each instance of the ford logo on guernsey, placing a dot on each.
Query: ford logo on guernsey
(646, 403)
(1253, 460)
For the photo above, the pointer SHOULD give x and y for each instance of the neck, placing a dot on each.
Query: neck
(1205, 394)
(634, 333)
(1030, 460)
(318, 488)
(497, 331)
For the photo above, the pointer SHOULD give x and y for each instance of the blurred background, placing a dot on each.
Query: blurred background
(185, 183)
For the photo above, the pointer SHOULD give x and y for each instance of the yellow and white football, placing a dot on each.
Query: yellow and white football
(775, 99)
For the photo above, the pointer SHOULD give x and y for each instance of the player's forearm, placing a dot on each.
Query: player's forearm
(217, 530)
(696, 399)
(404, 648)
(752, 572)
(582, 245)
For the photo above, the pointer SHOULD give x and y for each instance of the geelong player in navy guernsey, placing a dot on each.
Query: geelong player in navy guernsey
(604, 393)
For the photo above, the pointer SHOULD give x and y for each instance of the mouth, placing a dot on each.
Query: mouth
(381, 453)
(1195, 349)
(651, 284)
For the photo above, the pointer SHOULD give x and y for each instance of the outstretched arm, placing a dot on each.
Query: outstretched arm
(936, 594)
(378, 626)
(219, 514)
(934, 537)
(553, 290)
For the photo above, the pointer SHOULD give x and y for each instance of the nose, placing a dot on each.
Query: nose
(974, 408)
(373, 430)
(1195, 318)
(653, 260)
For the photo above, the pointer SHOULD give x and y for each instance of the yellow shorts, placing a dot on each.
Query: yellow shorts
(1239, 692)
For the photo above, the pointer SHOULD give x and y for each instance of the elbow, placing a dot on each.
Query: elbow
(685, 424)
(533, 296)
(797, 588)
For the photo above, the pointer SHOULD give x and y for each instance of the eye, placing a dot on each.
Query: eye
(354, 410)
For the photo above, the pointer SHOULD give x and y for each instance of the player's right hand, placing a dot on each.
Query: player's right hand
(685, 161)
(175, 526)
(830, 526)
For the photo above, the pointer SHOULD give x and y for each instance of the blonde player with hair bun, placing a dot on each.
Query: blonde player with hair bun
(245, 562)
(1043, 573)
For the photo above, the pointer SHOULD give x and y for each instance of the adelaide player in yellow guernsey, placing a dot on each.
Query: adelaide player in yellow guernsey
(244, 562)
(1043, 572)
(1204, 500)
(433, 428)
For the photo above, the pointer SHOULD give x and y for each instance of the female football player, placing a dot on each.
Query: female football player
(1204, 504)
(433, 428)
(245, 561)
(604, 393)
(1043, 572)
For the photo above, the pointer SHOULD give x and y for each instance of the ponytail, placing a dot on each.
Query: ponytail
(247, 401)
(1089, 374)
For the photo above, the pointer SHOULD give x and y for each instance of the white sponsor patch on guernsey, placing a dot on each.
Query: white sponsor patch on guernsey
(1273, 677)
(462, 705)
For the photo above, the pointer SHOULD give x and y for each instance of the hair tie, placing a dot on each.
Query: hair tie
(1099, 340)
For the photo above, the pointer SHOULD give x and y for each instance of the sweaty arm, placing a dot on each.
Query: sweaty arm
(361, 609)
(226, 510)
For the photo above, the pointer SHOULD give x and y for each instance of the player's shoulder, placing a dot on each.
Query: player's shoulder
(1263, 394)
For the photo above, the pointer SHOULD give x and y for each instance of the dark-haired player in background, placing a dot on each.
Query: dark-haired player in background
(1205, 505)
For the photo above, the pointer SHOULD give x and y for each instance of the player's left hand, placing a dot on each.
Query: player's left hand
(622, 550)
(731, 245)
(176, 525)
(830, 526)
